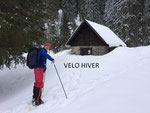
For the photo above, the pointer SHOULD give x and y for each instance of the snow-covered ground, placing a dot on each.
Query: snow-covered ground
(120, 85)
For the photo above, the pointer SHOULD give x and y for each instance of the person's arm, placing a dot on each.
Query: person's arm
(47, 56)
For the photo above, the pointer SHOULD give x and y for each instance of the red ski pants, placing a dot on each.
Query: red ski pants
(38, 72)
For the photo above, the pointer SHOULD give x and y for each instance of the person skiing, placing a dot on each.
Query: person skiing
(39, 73)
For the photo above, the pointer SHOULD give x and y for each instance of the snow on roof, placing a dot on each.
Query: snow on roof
(107, 34)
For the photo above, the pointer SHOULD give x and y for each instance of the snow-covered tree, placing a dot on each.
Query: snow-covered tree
(126, 18)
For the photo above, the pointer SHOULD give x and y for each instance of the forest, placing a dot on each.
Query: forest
(28, 23)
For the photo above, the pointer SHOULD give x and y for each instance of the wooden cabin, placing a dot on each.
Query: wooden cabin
(91, 38)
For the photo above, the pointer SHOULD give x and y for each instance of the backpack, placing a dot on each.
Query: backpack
(32, 60)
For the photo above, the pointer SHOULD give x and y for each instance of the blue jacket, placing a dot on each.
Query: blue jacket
(45, 56)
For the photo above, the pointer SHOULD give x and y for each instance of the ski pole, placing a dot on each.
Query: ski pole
(60, 81)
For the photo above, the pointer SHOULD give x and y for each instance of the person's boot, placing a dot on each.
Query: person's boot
(38, 100)
(34, 94)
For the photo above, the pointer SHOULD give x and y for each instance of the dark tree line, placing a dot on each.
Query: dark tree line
(21, 27)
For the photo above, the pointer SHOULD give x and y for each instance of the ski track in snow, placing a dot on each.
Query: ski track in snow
(78, 82)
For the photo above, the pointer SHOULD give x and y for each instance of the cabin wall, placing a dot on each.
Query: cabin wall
(96, 50)
(111, 48)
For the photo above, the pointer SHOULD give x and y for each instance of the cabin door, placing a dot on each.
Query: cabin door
(85, 51)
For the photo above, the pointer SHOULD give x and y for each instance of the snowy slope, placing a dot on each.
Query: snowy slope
(13, 81)
(120, 85)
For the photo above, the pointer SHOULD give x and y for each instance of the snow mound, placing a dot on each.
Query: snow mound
(120, 85)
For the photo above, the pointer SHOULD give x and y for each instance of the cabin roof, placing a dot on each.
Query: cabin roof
(107, 35)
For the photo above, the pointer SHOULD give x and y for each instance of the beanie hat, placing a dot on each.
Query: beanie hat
(47, 44)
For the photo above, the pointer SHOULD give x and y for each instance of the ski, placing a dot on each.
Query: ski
(32, 108)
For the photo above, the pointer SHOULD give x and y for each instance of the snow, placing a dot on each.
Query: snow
(58, 22)
(11, 79)
(107, 34)
(46, 26)
(60, 11)
(120, 85)
(77, 20)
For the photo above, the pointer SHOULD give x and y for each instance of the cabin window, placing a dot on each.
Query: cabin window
(85, 51)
